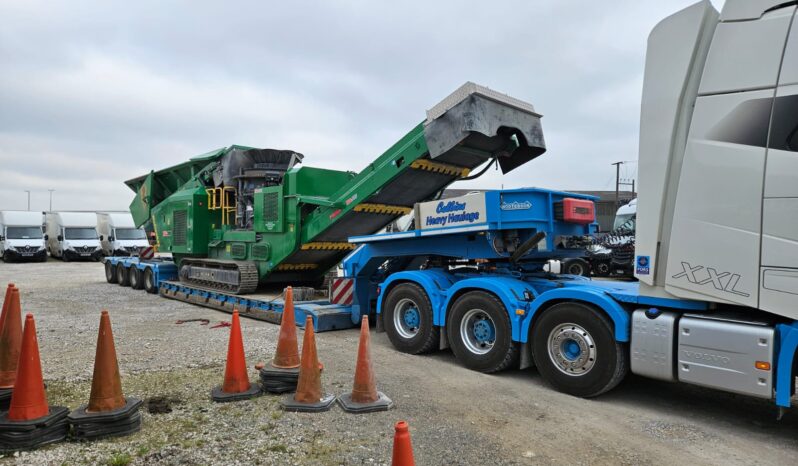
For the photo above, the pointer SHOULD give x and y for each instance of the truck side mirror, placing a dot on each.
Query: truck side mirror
(110, 238)
(102, 238)
(46, 237)
(60, 238)
(2, 238)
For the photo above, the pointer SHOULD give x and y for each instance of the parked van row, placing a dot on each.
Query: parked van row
(30, 236)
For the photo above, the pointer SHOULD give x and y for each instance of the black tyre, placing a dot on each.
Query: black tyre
(65, 257)
(122, 275)
(136, 278)
(601, 268)
(149, 281)
(110, 273)
(576, 352)
(576, 266)
(479, 333)
(407, 317)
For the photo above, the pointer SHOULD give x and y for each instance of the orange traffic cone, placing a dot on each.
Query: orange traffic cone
(6, 301)
(30, 422)
(109, 413)
(308, 396)
(236, 384)
(364, 397)
(287, 354)
(280, 375)
(402, 447)
(10, 341)
(5, 393)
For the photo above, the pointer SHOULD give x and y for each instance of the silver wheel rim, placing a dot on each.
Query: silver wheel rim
(401, 319)
(477, 331)
(572, 349)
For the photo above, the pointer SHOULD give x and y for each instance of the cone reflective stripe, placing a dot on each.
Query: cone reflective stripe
(364, 390)
(6, 300)
(236, 384)
(364, 397)
(236, 379)
(402, 447)
(287, 354)
(29, 400)
(106, 383)
(10, 341)
(308, 396)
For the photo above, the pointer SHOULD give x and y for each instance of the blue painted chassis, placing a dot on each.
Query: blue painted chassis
(325, 316)
(524, 295)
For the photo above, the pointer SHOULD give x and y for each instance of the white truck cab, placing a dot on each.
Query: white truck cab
(625, 213)
(73, 235)
(718, 169)
(21, 236)
(119, 235)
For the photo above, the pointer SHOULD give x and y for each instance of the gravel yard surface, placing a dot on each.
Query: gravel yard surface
(456, 416)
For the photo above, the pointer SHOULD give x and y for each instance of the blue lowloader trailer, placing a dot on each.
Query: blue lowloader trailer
(479, 274)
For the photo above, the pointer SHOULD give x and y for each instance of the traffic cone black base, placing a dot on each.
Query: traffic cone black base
(33, 433)
(278, 380)
(324, 404)
(5, 398)
(220, 396)
(115, 423)
(383, 403)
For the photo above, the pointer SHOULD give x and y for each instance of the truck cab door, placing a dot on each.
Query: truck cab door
(717, 224)
(779, 262)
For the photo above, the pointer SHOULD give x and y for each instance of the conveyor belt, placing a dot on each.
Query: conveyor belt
(467, 129)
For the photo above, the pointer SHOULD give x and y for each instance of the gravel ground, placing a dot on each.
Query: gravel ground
(456, 416)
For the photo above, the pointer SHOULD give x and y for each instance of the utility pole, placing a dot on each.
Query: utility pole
(617, 184)
(51, 199)
(27, 191)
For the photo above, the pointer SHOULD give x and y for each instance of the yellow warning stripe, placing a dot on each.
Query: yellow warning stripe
(437, 167)
(328, 246)
(284, 267)
(383, 209)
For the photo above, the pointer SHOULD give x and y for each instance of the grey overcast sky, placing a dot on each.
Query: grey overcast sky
(96, 92)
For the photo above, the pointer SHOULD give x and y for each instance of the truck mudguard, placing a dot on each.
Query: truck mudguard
(435, 282)
(583, 294)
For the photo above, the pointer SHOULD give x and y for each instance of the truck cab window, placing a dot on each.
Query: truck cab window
(24, 233)
(80, 233)
(130, 234)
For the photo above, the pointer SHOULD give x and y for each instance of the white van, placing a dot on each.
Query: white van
(119, 235)
(21, 236)
(73, 235)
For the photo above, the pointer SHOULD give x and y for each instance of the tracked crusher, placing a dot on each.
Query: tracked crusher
(239, 216)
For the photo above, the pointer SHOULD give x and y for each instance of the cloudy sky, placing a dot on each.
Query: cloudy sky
(94, 92)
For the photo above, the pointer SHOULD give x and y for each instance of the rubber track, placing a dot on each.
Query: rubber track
(247, 275)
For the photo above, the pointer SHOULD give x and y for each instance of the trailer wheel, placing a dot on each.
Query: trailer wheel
(149, 281)
(576, 266)
(601, 268)
(576, 352)
(136, 278)
(110, 272)
(479, 333)
(407, 317)
(122, 275)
